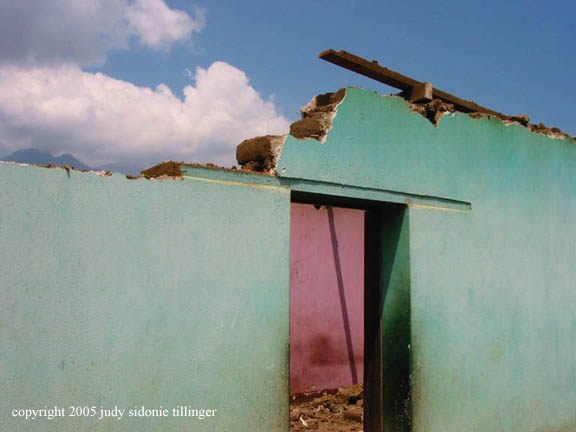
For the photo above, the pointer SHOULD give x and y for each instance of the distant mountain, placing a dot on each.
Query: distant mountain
(38, 157)
(34, 156)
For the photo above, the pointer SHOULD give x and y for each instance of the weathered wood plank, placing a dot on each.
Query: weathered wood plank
(373, 70)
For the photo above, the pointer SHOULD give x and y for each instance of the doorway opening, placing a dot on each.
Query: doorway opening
(349, 317)
(326, 318)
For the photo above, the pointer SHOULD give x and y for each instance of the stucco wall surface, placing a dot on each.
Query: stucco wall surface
(136, 292)
(493, 290)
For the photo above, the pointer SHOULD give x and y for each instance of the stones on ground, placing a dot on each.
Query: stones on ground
(337, 410)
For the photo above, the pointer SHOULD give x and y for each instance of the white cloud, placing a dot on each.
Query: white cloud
(159, 26)
(48, 102)
(52, 32)
(101, 119)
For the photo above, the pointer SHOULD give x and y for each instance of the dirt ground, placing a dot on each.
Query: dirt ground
(339, 410)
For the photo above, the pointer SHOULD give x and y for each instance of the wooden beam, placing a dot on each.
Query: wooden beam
(422, 93)
(373, 70)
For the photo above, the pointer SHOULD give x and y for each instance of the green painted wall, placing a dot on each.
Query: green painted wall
(396, 332)
(118, 292)
(492, 290)
(130, 293)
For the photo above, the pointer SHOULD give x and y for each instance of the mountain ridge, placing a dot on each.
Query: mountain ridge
(39, 157)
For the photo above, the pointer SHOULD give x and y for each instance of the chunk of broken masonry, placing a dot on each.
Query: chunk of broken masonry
(260, 153)
(317, 116)
(520, 118)
(316, 126)
(167, 169)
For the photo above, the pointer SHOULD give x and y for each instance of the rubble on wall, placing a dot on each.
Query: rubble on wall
(67, 168)
(167, 169)
(435, 109)
(261, 154)
(317, 116)
(173, 170)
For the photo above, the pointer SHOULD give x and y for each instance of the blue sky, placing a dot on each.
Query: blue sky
(258, 65)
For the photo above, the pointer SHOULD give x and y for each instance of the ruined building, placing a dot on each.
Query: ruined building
(175, 290)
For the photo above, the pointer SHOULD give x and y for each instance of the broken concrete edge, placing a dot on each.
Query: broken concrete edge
(68, 168)
(552, 132)
(261, 154)
(318, 116)
(435, 109)
(163, 170)
(173, 170)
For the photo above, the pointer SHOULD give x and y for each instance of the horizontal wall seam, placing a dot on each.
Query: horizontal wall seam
(238, 183)
(441, 208)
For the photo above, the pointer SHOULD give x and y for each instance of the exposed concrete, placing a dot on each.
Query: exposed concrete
(552, 132)
(434, 110)
(172, 170)
(261, 153)
(167, 169)
(317, 116)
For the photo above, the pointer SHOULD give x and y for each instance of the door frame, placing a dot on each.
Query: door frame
(387, 397)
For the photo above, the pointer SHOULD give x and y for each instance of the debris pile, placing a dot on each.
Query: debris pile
(339, 410)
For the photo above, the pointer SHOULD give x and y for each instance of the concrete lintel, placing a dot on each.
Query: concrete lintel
(329, 189)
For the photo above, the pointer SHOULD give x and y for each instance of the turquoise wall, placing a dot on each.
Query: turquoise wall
(165, 292)
(492, 289)
(137, 292)
(395, 317)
